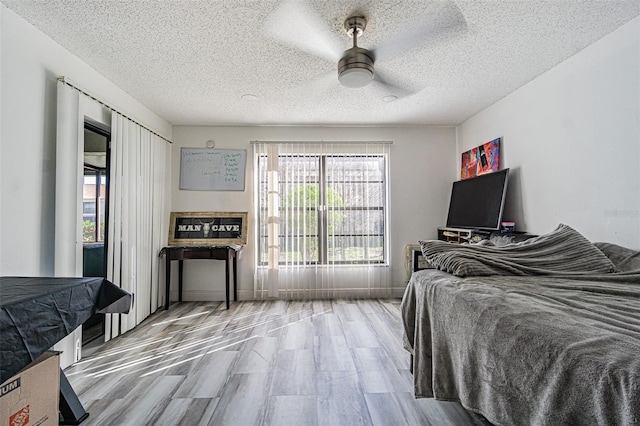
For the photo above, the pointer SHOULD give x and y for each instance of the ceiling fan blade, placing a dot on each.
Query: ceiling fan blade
(297, 25)
(445, 20)
(392, 87)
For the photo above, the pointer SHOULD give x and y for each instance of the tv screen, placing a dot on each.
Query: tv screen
(478, 202)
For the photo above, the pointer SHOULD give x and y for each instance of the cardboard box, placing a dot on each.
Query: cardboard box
(30, 398)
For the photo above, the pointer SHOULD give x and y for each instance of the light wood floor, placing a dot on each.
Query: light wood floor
(335, 362)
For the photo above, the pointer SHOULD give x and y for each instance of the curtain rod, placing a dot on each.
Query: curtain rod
(337, 142)
(62, 79)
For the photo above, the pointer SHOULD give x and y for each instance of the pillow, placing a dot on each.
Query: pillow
(623, 258)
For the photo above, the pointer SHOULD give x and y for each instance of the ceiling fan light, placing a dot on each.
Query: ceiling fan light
(355, 77)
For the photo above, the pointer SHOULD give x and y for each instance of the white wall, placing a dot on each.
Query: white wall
(572, 140)
(421, 172)
(30, 65)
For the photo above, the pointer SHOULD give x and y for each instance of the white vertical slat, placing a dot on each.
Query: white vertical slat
(159, 210)
(159, 149)
(296, 276)
(148, 237)
(112, 324)
(127, 215)
(154, 233)
(128, 221)
(134, 195)
(147, 222)
(257, 217)
(68, 201)
(68, 206)
(273, 221)
(288, 174)
(142, 233)
(329, 270)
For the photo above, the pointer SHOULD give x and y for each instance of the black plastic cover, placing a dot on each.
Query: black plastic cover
(37, 312)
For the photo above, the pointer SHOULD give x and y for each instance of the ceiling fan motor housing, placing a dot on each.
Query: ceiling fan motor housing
(356, 57)
(357, 63)
(355, 69)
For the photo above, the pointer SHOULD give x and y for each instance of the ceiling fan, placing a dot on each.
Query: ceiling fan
(297, 25)
(355, 68)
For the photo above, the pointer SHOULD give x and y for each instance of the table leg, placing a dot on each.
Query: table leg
(71, 408)
(226, 270)
(180, 269)
(167, 279)
(235, 276)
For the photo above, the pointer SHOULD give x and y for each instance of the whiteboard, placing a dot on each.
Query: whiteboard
(204, 169)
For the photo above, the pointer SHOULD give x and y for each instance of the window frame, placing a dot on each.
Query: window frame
(323, 210)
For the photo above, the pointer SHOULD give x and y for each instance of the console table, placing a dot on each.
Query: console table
(180, 253)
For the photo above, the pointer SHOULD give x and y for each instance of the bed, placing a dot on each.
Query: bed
(541, 332)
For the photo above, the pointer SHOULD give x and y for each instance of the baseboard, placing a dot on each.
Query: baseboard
(217, 295)
(338, 293)
(397, 292)
(210, 295)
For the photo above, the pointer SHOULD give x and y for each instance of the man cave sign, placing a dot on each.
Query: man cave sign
(208, 227)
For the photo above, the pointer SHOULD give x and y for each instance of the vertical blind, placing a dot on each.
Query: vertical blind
(137, 211)
(68, 196)
(322, 222)
(137, 204)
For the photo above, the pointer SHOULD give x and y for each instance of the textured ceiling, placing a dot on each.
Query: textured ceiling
(192, 61)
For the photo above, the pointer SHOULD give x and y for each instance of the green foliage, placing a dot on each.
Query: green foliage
(305, 221)
(89, 231)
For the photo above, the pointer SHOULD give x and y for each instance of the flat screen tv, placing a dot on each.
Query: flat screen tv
(478, 202)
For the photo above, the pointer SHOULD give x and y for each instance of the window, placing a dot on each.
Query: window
(89, 210)
(331, 206)
(94, 194)
(95, 183)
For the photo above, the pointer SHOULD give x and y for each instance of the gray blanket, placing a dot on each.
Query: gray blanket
(529, 350)
(562, 251)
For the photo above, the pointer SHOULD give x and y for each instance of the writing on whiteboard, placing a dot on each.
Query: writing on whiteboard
(212, 169)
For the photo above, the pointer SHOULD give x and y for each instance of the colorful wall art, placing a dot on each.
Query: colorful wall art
(480, 160)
